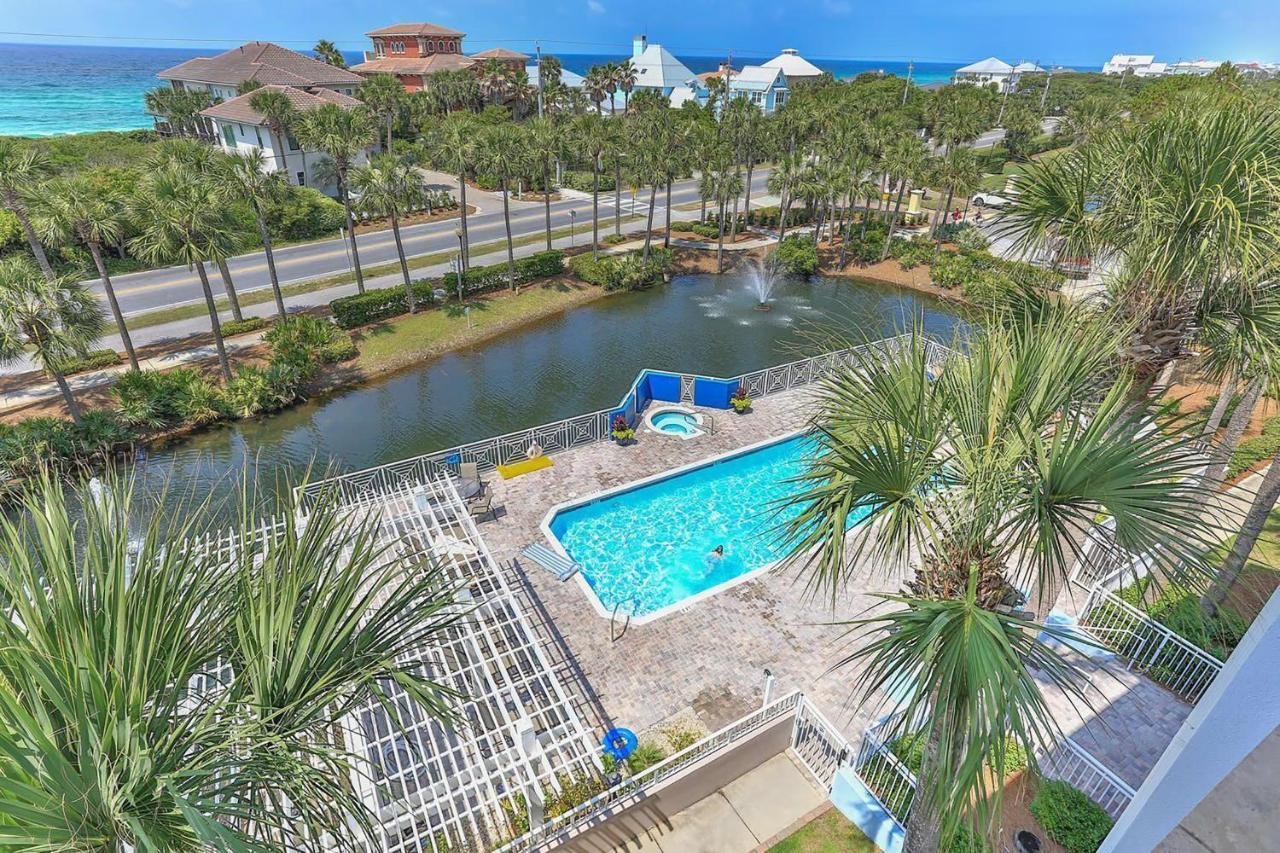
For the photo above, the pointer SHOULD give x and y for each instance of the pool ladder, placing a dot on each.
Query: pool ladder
(709, 423)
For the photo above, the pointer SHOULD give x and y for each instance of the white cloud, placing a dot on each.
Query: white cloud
(595, 7)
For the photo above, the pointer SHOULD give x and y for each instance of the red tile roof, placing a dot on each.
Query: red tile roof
(415, 65)
(415, 30)
(240, 108)
(261, 61)
(499, 53)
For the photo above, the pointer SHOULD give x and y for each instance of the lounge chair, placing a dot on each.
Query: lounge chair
(482, 505)
(562, 567)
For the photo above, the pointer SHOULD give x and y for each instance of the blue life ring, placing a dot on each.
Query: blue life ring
(619, 743)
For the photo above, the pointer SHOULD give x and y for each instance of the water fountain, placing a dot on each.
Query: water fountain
(762, 276)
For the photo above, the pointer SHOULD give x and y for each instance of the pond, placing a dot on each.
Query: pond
(581, 360)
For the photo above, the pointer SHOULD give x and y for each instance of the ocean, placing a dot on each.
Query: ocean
(52, 89)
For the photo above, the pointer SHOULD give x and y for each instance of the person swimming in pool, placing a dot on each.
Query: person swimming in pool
(717, 553)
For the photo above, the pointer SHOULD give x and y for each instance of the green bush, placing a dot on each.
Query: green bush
(952, 269)
(796, 255)
(768, 217)
(92, 360)
(912, 253)
(623, 272)
(156, 400)
(255, 390)
(582, 181)
(574, 791)
(304, 214)
(646, 755)
(1069, 817)
(614, 239)
(10, 230)
(965, 235)
(986, 289)
(965, 840)
(1013, 760)
(341, 348)
(243, 327)
(702, 229)
(36, 445)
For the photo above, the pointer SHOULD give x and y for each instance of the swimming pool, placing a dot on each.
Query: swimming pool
(647, 548)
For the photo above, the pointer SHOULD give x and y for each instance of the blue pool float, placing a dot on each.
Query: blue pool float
(619, 743)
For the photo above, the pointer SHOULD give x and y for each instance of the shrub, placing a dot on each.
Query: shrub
(796, 255)
(297, 342)
(1069, 817)
(582, 181)
(1013, 760)
(42, 444)
(614, 239)
(965, 235)
(680, 739)
(912, 253)
(1253, 450)
(92, 360)
(100, 432)
(255, 390)
(10, 229)
(341, 348)
(304, 214)
(147, 398)
(646, 755)
(951, 270)
(987, 289)
(243, 327)
(197, 400)
(623, 272)
(574, 791)
(965, 840)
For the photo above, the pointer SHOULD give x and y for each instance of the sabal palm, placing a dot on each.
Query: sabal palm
(1186, 206)
(594, 84)
(52, 319)
(247, 173)
(163, 697)
(503, 150)
(970, 484)
(23, 166)
(625, 77)
(905, 159)
(81, 211)
(389, 186)
(344, 135)
(329, 54)
(274, 106)
(183, 217)
(546, 140)
(494, 75)
(384, 96)
(452, 144)
(592, 137)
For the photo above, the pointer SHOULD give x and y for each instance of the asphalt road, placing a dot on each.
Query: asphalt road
(163, 288)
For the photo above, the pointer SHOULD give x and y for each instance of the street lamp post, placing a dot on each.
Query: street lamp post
(462, 249)
(573, 219)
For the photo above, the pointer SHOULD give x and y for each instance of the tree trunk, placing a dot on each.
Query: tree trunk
(1217, 470)
(648, 228)
(282, 166)
(506, 218)
(351, 230)
(67, 397)
(404, 265)
(546, 199)
(271, 261)
(733, 222)
(595, 209)
(746, 204)
(229, 286)
(666, 237)
(922, 822)
(1225, 393)
(783, 202)
(19, 210)
(702, 214)
(96, 251)
(214, 324)
(617, 198)
(720, 240)
(1254, 522)
(893, 223)
(466, 237)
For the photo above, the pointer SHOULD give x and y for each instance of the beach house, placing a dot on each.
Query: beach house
(258, 62)
(413, 52)
(795, 67)
(1137, 64)
(766, 87)
(987, 72)
(657, 69)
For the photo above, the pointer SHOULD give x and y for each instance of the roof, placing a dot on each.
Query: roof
(261, 61)
(990, 65)
(500, 53)
(1028, 68)
(415, 30)
(415, 65)
(240, 108)
(657, 68)
(757, 78)
(682, 95)
(567, 77)
(1133, 59)
(793, 64)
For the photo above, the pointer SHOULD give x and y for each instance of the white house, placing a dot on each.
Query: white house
(986, 72)
(239, 127)
(657, 68)
(1027, 68)
(1138, 64)
(1194, 67)
(259, 62)
(795, 67)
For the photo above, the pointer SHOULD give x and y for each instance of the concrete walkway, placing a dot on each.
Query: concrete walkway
(742, 815)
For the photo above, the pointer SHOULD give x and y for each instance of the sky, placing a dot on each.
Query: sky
(1067, 32)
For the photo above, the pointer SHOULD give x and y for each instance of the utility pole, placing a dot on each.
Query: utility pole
(1045, 94)
(538, 49)
(907, 88)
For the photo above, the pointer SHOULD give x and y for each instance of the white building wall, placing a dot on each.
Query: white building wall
(243, 138)
(1239, 710)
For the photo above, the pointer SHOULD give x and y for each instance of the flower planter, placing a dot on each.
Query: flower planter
(624, 441)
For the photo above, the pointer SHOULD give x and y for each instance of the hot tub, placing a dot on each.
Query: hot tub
(674, 420)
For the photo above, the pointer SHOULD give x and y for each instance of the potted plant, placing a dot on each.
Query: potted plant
(622, 431)
(740, 401)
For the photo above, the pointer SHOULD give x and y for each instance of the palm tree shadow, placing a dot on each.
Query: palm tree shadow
(454, 310)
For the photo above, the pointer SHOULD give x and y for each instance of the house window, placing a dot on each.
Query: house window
(442, 48)
(431, 47)
(292, 143)
(302, 179)
(380, 48)
(229, 136)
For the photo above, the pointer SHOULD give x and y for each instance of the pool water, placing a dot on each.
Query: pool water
(650, 547)
(677, 423)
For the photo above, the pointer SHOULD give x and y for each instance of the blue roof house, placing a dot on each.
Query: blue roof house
(763, 86)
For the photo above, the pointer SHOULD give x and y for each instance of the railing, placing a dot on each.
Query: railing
(637, 786)
(818, 744)
(1073, 764)
(579, 430)
(884, 774)
(1164, 655)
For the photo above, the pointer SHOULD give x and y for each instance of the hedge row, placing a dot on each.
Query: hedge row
(241, 327)
(583, 181)
(95, 359)
(384, 302)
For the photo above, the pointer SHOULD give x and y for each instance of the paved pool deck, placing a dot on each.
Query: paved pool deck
(710, 657)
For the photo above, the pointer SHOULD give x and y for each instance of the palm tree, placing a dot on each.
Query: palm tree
(250, 179)
(23, 167)
(1183, 205)
(328, 53)
(595, 85)
(493, 76)
(79, 210)
(389, 186)
(546, 145)
(278, 111)
(452, 144)
(906, 159)
(610, 77)
(183, 217)
(959, 172)
(384, 96)
(781, 180)
(625, 76)
(344, 135)
(54, 319)
(947, 472)
(1089, 118)
(177, 667)
(591, 136)
(503, 150)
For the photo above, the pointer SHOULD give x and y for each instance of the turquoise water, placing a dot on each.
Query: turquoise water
(51, 89)
(652, 546)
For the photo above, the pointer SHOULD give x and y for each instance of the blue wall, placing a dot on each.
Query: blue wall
(857, 803)
(663, 386)
(714, 393)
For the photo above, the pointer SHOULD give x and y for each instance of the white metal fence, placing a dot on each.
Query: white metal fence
(818, 744)
(578, 430)
(1073, 764)
(884, 774)
(1164, 655)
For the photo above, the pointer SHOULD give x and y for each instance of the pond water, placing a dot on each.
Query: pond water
(581, 360)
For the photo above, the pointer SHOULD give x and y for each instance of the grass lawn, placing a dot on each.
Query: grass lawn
(1261, 573)
(830, 832)
(407, 340)
(995, 183)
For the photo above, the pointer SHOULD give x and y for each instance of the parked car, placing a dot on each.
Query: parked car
(991, 200)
